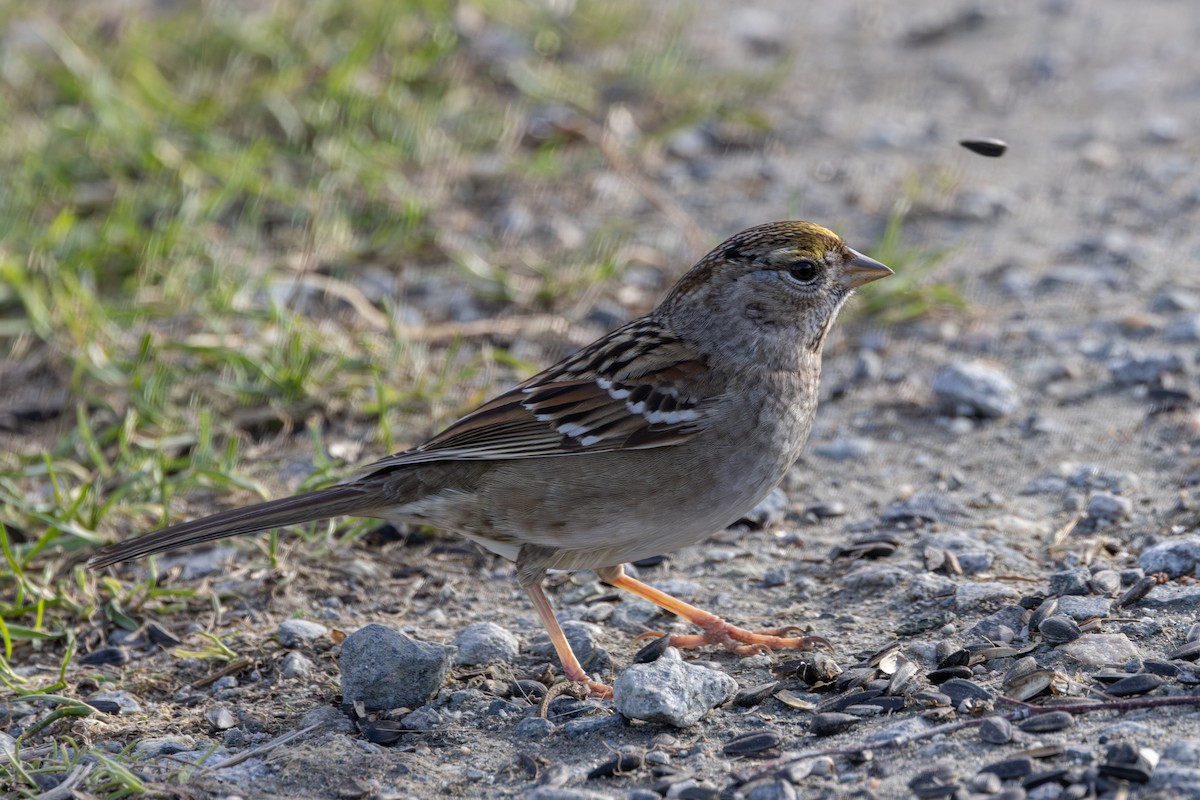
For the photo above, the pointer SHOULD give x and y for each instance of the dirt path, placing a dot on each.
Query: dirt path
(1077, 254)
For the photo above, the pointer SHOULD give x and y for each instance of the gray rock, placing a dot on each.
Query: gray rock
(383, 669)
(197, 564)
(975, 389)
(1105, 581)
(156, 746)
(869, 366)
(982, 203)
(1096, 478)
(564, 793)
(845, 448)
(761, 31)
(1134, 370)
(220, 718)
(591, 727)
(296, 665)
(1106, 507)
(8, 745)
(1098, 649)
(484, 643)
(1183, 751)
(125, 702)
(1071, 581)
(975, 562)
(580, 635)
(1184, 329)
(671, 691)
(869, 577)
(1082, 276)
(633, 615)
(681, 587)
(1078, 607)
(1132, 575)
(775, 576)
(1164, 130)
(771, 510)
(1083, 476)
(1176, 557)
(1000, 626)
(535, 728)
(296, 632)
(423, 719)
(1178, 783)
(927, 585)
(996, 730)
(689, 143)
(329, 720)
(1175, 299)
(925, 508)
(897, 731)
(1172, 598)
(246, 776)
(777, 789)
(223, 683)
(983, 595)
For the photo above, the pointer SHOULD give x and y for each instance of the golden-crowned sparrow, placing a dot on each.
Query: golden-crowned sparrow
(653, 437)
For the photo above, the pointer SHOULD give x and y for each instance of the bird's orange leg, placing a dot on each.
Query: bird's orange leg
(570, 664)
(716, 630)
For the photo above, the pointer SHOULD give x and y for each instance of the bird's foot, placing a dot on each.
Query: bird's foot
(743, 642)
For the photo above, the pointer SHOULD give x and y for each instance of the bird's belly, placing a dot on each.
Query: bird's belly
(597, 523)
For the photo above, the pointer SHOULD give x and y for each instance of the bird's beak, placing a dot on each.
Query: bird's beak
(861, 269)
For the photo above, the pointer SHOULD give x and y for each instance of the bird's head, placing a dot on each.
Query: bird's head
(769, 294)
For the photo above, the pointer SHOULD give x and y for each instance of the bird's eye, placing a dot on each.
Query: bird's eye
(802, 271)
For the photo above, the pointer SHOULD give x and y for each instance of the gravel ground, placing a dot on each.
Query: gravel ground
(1007, 494)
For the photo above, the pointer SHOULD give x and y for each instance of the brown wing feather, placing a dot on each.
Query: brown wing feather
(649, 396)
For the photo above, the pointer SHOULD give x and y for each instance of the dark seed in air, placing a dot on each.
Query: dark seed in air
(992, 148)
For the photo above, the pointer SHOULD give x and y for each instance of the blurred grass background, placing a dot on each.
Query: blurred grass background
(242, 244)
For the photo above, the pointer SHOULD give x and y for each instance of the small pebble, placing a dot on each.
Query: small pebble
(996, 730)
(772, 790)
(220, 718)
(296, 632)
(534, 728)
(670, 690)
(296, 665)
(975, 389)
(484, 643)
(155, 746)
(1137, 370)
(1108, 508)
(1177, 556)
(1081, 608)
(1098, 649)
(384, 669)
(1070, 581)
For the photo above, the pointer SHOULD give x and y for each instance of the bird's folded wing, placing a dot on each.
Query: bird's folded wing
(637, 388)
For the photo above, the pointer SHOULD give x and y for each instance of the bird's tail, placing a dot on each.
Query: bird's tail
(346, 499)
